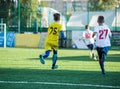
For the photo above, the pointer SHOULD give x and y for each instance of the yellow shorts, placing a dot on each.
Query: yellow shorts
(51, 45)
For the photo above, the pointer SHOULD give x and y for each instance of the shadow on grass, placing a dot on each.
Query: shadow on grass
(113, 57)
(75, 58)
(60, 76)
(110, 58)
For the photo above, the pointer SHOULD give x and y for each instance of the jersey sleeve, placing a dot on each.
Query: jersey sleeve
(62, 35)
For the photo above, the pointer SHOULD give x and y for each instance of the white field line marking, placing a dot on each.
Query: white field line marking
(53, 83)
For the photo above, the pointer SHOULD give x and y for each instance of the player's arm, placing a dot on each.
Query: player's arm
(62, 35)
(82, 37)
(110, 34)
(94, 33)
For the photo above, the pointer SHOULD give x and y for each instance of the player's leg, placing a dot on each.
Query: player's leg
(92, 50)
(103, 57)
(92, 54)
(101, 61)
(47, 52)
(102, 66)
(105, 51)
(54, 59)
(43, 56)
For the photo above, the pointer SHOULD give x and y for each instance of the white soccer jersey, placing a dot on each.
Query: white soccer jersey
(103, 36)
(88, 37)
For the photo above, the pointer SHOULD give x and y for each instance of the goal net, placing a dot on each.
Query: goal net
(3, 35)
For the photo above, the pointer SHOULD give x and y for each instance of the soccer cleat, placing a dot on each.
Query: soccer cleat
(95, 58)
(103, 73)
(90, 55)
(55, 67)
(42, 59)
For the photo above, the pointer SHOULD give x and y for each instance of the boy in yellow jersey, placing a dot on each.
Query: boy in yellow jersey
(51, 42)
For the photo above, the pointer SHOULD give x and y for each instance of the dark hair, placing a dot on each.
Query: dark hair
(100, 19)
(56, 16)
(86, 26)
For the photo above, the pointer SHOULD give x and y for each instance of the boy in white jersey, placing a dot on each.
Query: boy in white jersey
(89, 40)
(102, 43)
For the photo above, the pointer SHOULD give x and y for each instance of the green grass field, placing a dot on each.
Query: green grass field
(20, 68)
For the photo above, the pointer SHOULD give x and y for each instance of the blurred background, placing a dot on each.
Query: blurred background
(29, 19)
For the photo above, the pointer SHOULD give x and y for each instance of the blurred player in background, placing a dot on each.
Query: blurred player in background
(51, 42)
(89, 41)
(103, 34)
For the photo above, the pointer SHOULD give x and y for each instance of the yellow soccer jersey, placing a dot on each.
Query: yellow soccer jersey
(53, 35)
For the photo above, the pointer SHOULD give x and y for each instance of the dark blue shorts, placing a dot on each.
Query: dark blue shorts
(90, 46)
(102, 50)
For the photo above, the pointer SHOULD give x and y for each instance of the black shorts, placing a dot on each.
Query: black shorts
(90, 46)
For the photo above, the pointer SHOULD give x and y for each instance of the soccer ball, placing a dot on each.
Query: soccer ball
(74, 46)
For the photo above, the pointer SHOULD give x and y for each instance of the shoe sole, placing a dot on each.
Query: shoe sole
(41, 60)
